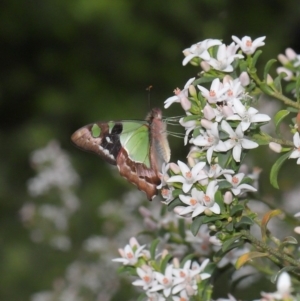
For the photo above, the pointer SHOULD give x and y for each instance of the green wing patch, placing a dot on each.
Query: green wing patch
(135, 140)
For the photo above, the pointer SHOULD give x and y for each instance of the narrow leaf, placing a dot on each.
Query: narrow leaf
(267, 68)
(275, 169)
(264, 222)
(245, 221)
(279, 117)
(196, 224)
(153, 248)
(229, 242)
(285, 269)
(248, 256)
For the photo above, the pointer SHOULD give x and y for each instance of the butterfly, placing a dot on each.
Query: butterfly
(138, 148)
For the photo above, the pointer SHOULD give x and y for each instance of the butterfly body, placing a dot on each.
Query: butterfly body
(138, 148)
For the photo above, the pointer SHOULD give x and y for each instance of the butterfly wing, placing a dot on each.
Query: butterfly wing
(125, 144)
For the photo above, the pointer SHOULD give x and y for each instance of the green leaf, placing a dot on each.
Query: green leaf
(232, 243)
(153, 248)
(279, 116)
(204, 79)
(223, 158)
(255, 58)
(196, 224)
(261, 138)
(289, 240)
(285, 269)
(247, 257)
(236, 210)
(267, 68)
(245, 221)
(176, 202)
(224, 185)
(185, 259)
(229, 227)
(220, 200)
(298, 88)
(265, 220)
(164, 262)
(277, 81)
(181, 227)
(142, 297)
(275, 169)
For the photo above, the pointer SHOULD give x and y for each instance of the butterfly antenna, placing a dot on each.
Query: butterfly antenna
(173, 120)
(149, 92)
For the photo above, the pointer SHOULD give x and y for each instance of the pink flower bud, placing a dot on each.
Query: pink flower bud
(228, 197)
(176, 263)
(191, 161)
(283, 59)
(185, 103)
(206, 124)
(175, 168)
(145, 212)
(297, 229)
(133, 242)
(227, 79)
(150, 224)
(192, 91)
(205, 66)
(209, 112)
(275, 147)
(227, 111)
(244, 79)
(289, 73)
(290, 53)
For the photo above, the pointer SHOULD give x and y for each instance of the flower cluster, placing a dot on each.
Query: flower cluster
(161, 279)
(210, 192)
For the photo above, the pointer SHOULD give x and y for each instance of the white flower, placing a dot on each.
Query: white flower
(216, 93)
(296, 152)
(189, 176)
(216, 171)
(199, 201)
(183, 296)
(181, 96)
(275, 147)
(231, 257)
(247, 116)
(165, 281)
(147, 277)
(284, 287)
(199, 50)
(223, 111)
(289, 73)
(164, 175)
(189, 126)
(210, 141)
(167, 194)
(235, 88)
(202, 242)
(247, 45)
(237, 187)
(237, 140)
(185, 278)
(131, 253)
(193, 202)
(155, 296)
(225, 56)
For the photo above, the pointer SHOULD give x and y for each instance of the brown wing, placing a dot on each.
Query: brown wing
(107, 145)
(144, 178)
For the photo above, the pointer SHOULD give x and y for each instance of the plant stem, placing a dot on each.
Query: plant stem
(277, 257)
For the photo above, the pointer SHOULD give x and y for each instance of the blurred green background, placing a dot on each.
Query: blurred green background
(68, 63)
